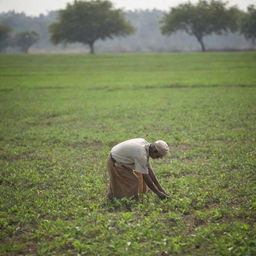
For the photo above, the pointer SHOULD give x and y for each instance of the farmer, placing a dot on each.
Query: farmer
(130, 171)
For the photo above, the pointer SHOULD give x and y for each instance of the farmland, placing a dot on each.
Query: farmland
(60, 116)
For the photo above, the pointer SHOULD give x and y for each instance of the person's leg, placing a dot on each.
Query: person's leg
(111, 173)
(123, 182)
(143, 188)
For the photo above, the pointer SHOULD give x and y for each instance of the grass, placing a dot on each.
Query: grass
(60, 116)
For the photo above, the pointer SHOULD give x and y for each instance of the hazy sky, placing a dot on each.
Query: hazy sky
(35, 7)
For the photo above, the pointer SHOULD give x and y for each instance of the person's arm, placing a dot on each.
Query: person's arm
(153, 187)
(154, 179)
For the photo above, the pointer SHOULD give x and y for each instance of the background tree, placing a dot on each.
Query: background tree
(24, 40)
(248, 24)
(86, 22)
(200, 20)
(5, 32)
(147, 38)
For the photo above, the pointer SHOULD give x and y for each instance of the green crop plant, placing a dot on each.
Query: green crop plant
(61, 115)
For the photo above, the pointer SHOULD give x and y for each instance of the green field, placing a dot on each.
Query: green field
(60, 116)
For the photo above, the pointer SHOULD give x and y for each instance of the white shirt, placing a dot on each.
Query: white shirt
(134, 154)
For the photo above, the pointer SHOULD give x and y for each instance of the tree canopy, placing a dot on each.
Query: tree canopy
(5, 32)
(88, 21)
(25, 39)
(248, 24)
(201, 19)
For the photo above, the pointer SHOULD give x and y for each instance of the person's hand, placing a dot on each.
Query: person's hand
(162, 195)
(164, 192)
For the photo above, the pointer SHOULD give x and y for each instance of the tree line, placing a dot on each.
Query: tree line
(99, 23)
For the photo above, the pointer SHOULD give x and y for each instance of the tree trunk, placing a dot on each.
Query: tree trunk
(200, 40)
(253, 43)
(91, 48)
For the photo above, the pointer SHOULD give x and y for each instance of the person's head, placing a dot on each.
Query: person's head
(158, 149)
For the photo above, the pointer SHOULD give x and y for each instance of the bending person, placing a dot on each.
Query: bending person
(130, 171)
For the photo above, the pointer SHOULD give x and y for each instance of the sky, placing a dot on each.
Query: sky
(36, 7)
